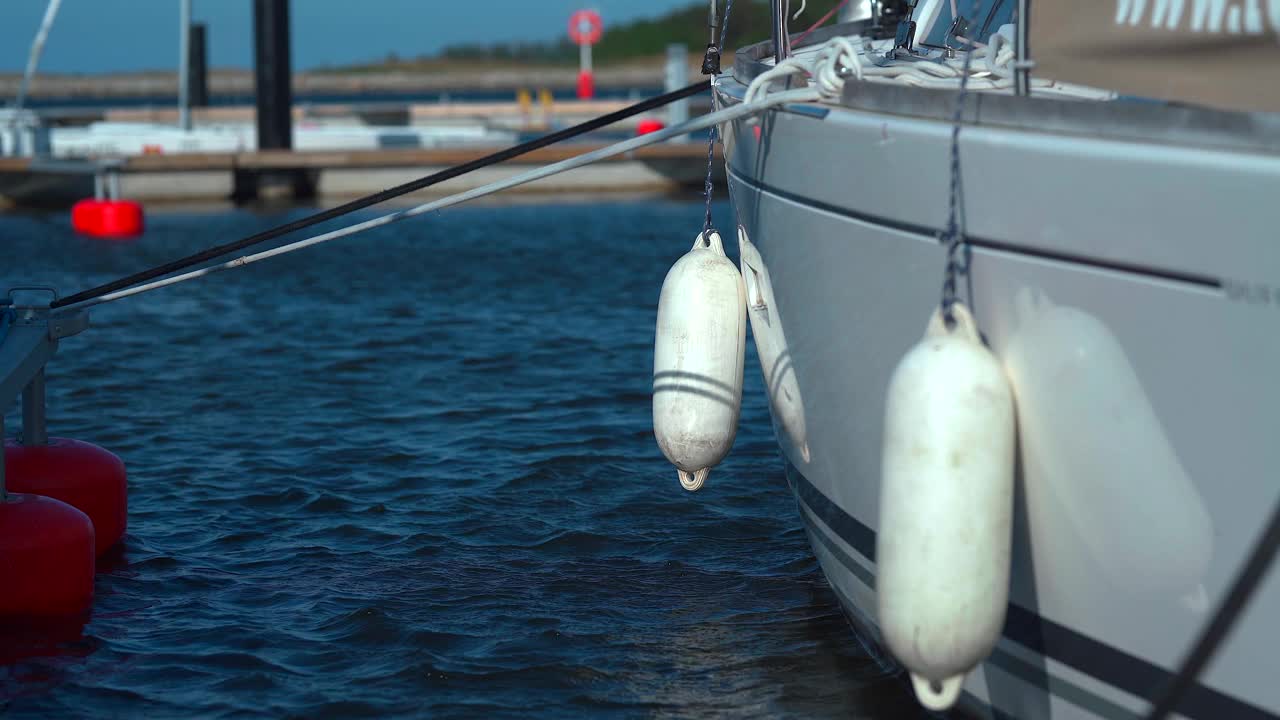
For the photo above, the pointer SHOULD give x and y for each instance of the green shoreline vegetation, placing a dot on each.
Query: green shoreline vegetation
(630, 53)
(642, 41)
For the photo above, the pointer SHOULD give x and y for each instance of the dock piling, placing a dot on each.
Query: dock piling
(272, 74)
(184, 65)
(273, 78)
(198, 67)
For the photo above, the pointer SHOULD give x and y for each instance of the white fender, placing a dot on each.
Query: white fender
(697, 360)
(946, 508)
(1090, 439)
(771, 348)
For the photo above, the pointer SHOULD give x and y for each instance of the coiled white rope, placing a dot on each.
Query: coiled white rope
(701, 123)
(991, 67)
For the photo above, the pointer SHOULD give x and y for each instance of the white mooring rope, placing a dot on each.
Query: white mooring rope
(987, 67)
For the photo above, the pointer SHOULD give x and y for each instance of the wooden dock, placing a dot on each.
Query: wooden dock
(247, 175)
(535, 114)
(529, 112)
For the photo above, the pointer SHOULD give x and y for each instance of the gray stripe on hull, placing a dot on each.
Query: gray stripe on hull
(1106, 664)
(1002, 659)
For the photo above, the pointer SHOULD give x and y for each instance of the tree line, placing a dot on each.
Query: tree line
(644, 38)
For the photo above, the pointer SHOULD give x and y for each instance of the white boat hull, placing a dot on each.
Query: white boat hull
(1132, 291)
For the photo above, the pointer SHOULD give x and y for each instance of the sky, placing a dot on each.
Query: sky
(124, 35)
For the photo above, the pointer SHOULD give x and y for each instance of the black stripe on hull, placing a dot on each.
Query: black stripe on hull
(1204, 281)
(1010, 664)
(1103, 662)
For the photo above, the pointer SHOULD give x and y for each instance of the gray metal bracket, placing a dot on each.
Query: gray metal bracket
(29, 336)
(105, 172)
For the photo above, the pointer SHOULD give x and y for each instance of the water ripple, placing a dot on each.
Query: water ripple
(413, 475)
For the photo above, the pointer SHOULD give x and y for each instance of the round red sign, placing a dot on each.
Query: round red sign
(585, 27)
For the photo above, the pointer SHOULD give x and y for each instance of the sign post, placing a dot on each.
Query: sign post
(585, 29)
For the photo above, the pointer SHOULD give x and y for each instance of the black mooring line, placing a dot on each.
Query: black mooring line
(397, 191)
(1215, 633)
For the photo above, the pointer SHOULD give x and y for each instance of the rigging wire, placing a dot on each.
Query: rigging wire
(374, 199)
(707, 186)
(721, 116)
(953, 236)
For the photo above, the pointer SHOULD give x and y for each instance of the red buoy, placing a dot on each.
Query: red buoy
(26, 637)
(80, 474)
(648, 125)
(86, 216)
(120, 218)
(46, 558)
(107, 218)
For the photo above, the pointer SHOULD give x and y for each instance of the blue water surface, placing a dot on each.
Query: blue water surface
(412, 473)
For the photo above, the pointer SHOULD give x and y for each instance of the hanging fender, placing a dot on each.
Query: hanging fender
(772, 349)
(946, 508)
(697, 360)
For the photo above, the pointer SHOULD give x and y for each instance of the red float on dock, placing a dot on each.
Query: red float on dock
(107, 218)
(84, 215)
(81, 474)
(649, 125)
(46, 558)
